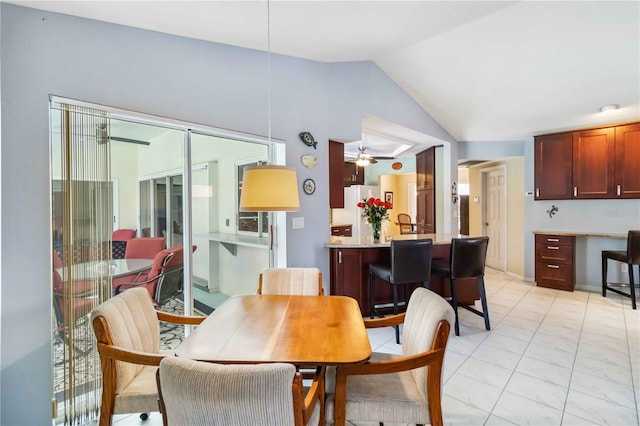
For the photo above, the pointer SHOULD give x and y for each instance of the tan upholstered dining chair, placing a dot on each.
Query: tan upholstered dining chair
(128, 338)
(200, 393)
(299, 281)
(393, 388)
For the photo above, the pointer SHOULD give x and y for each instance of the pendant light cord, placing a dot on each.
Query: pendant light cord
(269, 68)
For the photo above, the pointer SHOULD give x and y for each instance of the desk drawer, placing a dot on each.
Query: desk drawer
(554, 253)
(556, 240)
(555, 275)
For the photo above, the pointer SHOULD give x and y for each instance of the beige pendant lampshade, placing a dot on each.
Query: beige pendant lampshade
(269, 189)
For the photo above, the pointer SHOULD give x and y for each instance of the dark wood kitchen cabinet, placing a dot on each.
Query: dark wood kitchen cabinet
(553, 157)
(336, 168)
(593, 163)
(353, 174)
(601, 163)
(627, 168)
(425, 191)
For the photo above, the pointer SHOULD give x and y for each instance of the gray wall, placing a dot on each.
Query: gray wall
(45, 53)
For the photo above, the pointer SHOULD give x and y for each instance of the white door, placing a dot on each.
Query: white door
(495, 218)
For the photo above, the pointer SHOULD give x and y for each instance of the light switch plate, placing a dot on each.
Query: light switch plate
(297, 223)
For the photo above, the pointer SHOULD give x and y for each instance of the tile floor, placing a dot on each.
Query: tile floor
(551, 358)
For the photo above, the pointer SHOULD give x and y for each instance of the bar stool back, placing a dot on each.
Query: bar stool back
(631, 257)
(467, 260)
(410, 264)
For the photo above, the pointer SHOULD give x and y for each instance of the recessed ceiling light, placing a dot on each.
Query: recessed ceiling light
(609, 107)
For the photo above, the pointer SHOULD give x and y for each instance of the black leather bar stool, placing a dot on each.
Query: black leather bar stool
(466, 260)
(410, 264)
(631, 257)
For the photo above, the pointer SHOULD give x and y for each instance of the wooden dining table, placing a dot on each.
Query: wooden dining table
(301, 330)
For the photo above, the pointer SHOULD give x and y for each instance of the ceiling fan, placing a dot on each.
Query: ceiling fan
(364, 159)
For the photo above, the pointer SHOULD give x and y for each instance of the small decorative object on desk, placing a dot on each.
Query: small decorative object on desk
(375, 211)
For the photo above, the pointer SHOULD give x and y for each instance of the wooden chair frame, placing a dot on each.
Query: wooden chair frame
(109, 354)
(433, 358)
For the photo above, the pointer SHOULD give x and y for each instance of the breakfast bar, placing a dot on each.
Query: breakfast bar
(350, 258)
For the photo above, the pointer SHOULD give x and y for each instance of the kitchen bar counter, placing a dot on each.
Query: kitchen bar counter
(367, 242)
(350, 258)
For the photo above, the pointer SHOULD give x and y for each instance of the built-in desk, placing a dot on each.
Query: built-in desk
(555, 257)
(350, 258)
(232, 241)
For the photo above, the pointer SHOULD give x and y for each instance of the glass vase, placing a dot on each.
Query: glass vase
(376, 226)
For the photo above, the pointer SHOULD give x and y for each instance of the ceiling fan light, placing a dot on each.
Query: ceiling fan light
(362, 162)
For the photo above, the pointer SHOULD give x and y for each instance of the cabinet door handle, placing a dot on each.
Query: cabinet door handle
(618, 190)
(575, 191)
(553, 240)
(553, 248)
(553, 266)
(537, 192)
(339, 257)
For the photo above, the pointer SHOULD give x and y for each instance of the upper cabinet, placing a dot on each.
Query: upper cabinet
(588, 164)
(593, 163)
(627, 163)
(425, 191)
(353, 174)
(553, 156)
(336, 169)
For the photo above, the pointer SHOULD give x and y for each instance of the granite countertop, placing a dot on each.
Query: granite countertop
(367, 242)
(334, 225)
(582, 234)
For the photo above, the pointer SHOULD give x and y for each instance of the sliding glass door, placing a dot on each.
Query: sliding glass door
(158, 179)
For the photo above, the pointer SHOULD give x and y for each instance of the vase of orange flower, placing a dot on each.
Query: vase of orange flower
(375, 211)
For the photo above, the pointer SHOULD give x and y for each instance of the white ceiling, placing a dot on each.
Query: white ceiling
(484, 70)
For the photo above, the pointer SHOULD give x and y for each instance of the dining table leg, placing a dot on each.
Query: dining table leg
(340, 401)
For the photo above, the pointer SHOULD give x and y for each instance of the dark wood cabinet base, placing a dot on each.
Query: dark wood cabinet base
(350, 277)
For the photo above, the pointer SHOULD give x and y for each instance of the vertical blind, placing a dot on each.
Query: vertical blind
(82, 212)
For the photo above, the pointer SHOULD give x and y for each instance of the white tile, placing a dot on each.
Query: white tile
(494, 420)
(571, 420)
(472, 392)
(550, 355)
(497, 356)
(507, 343)
(514, 332)
(464, 344)
(485, 372)
(538, 390)
(544, 371)
(560, 330)
(602, 368)
(614, 392)
(598, 410)
(523, 411)
(619, 355)
(457, 413)
(555, 342)
(520, 322)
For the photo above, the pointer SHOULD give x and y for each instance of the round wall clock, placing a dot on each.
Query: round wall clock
(309, 186)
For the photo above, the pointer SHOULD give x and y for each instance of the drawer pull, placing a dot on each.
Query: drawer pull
(618, 190)
(553, 266)
(553, 240)
(553, 247)
(575, 191)
(339, 257)
(537, 192)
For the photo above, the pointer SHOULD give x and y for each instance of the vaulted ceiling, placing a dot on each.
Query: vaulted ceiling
(485, 70)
